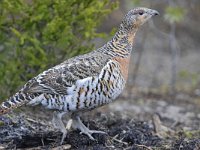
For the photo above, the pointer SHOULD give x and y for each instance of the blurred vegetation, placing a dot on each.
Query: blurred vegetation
(35, 35)
(174, 14)
(191, 77)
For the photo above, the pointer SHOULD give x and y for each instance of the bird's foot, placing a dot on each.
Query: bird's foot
(90, 132)
(77, 123)
(57, 123)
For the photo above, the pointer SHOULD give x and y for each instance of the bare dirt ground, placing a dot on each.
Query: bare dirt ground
(147, 121)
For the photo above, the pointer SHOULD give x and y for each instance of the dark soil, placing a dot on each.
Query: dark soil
(33, 129)
(126, 133)
(121, 133)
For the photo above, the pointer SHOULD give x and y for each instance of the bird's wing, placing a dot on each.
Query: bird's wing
(59, 78)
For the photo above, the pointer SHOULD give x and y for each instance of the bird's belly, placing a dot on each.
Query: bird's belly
(103, 93)
(96, 91)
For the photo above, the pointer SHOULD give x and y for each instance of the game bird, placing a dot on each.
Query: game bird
(84, 82)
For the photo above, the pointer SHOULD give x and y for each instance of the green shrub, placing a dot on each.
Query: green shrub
(35, 35)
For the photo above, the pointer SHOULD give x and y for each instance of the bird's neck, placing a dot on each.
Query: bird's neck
(121, 44)
(124, 39)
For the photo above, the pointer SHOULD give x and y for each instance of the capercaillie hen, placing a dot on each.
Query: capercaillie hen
(83, 82)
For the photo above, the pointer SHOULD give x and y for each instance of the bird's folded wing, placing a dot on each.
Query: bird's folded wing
(57, 79)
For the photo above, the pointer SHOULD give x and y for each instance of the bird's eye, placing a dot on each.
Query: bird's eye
(141, 12)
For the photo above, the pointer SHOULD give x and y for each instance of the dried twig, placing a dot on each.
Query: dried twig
(36, 122)
(119, 141)
(144, 146)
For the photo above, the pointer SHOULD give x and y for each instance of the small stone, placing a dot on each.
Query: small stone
(198, 116)
(197, 92)
(162, 103)
(2, 147)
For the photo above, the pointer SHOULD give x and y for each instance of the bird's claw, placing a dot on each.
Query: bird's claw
(77, 123)
(90, 132)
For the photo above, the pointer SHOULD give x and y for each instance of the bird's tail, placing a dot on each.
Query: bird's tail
(13, 102)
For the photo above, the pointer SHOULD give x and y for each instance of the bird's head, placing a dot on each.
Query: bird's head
(136, 17)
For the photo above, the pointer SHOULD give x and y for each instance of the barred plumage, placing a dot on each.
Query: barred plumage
(84, 82)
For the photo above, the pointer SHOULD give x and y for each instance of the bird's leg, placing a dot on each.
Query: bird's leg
(57, 123)
(77, 123)
(69, 124)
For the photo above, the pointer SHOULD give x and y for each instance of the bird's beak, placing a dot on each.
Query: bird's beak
(153, 12)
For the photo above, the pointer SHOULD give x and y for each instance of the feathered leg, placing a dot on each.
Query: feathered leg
(77, 123)
(58, 123)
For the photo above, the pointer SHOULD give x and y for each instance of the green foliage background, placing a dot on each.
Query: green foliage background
(35, 35)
